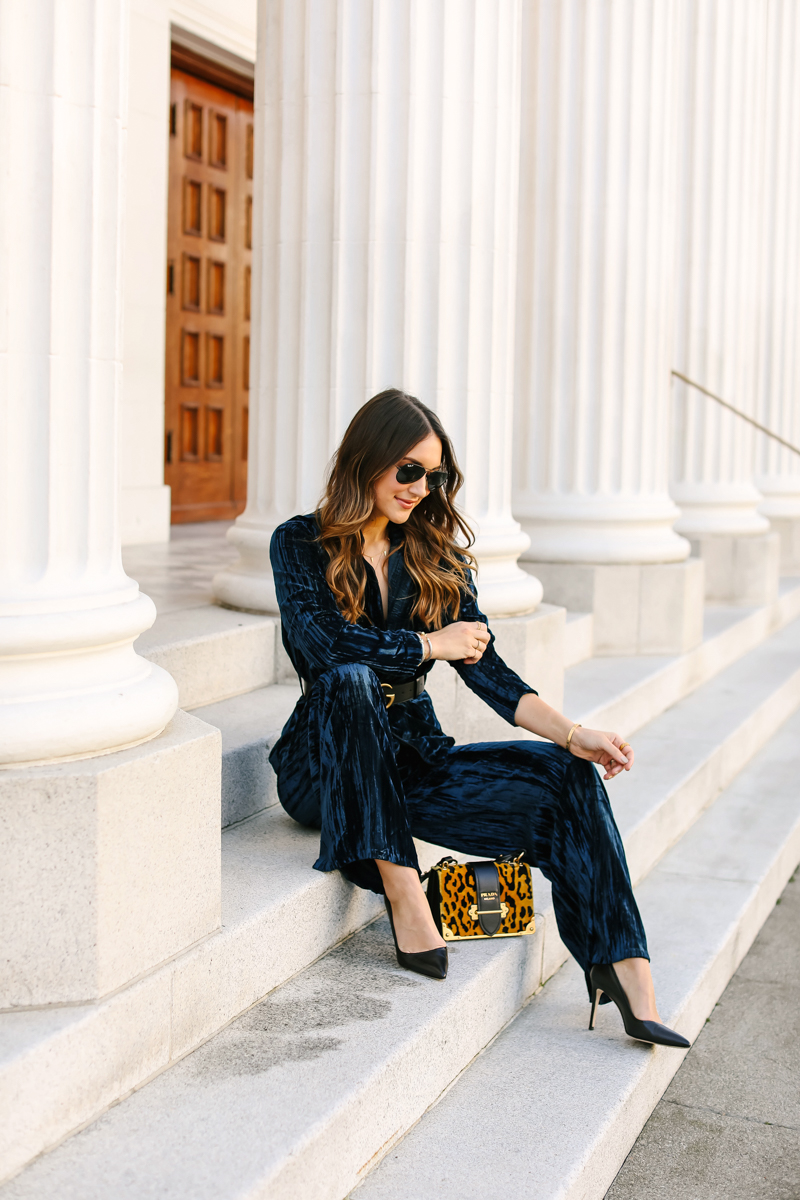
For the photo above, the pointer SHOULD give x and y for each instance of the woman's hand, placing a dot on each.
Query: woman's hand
(609, 750)
(606, 749)
(462, 641)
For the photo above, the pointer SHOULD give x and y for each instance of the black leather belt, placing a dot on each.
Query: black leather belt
(395, 693)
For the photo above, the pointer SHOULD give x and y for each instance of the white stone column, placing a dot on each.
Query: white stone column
(144, 497)
(778, 469)
(384, 255)
(70, 683)
(110, 866)
(593, 322)
(721, 193)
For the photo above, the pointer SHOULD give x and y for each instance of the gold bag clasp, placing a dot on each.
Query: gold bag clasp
(503, 910)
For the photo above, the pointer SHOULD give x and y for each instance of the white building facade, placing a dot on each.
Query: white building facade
(528, 213)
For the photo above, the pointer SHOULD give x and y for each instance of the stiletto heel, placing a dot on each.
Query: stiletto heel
(604, 978)
(595, 997)
(432, 963)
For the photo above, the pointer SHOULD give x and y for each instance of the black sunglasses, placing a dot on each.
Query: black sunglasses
(411, 472)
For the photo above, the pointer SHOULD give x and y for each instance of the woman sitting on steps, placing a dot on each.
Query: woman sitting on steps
(372, 589)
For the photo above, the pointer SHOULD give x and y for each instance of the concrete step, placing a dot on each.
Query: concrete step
(60, 1067)
(59, 1070)
(626, 693)
(250, 725)
(214, 653)
(691, 752)
(298, 1094)
(565, 1105)
(308, 1090)
(578, 638)
(621, 694)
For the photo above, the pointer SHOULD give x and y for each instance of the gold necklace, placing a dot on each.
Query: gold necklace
(372, 556)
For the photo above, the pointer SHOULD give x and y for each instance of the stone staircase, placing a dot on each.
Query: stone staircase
(562, 1106)
(299, 1055)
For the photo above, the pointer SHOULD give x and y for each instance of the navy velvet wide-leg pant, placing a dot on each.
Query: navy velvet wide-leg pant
(369, 794)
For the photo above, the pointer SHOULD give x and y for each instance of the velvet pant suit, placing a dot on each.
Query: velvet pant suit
(372, 778)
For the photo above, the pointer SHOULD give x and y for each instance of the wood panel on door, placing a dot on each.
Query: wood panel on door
(208, 300)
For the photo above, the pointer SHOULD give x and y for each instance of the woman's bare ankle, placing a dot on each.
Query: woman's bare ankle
(398, 882)
(413, 923)
(637, 982)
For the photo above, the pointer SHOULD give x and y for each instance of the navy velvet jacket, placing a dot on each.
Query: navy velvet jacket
(317, 637)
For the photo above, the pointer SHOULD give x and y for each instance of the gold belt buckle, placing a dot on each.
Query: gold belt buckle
(387, 689)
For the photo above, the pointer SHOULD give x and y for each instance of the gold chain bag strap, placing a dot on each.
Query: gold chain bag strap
(481, 899)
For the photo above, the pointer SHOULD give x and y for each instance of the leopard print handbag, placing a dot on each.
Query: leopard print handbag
(481, 899)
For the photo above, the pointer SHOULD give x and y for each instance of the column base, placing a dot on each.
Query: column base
(637, 609)
(72, 686)
(600, 529)
(788, 531)
(718, 509)
(505, 590)
(742, 570)
(247, 584)
(112, 866)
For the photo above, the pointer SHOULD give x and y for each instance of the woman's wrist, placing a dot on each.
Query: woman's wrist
(427, 648)
(536, 714)
(573, 730)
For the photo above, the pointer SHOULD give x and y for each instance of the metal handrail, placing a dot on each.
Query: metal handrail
(737, 411)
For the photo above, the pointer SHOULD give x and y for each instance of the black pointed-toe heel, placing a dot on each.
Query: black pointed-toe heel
(605, 979)
(432, 963)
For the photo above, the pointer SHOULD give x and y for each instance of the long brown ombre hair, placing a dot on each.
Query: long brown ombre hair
(380, 436)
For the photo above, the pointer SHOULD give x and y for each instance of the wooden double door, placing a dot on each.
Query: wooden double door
(208, 299)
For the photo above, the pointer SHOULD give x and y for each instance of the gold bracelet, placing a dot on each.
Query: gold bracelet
(577, 725)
